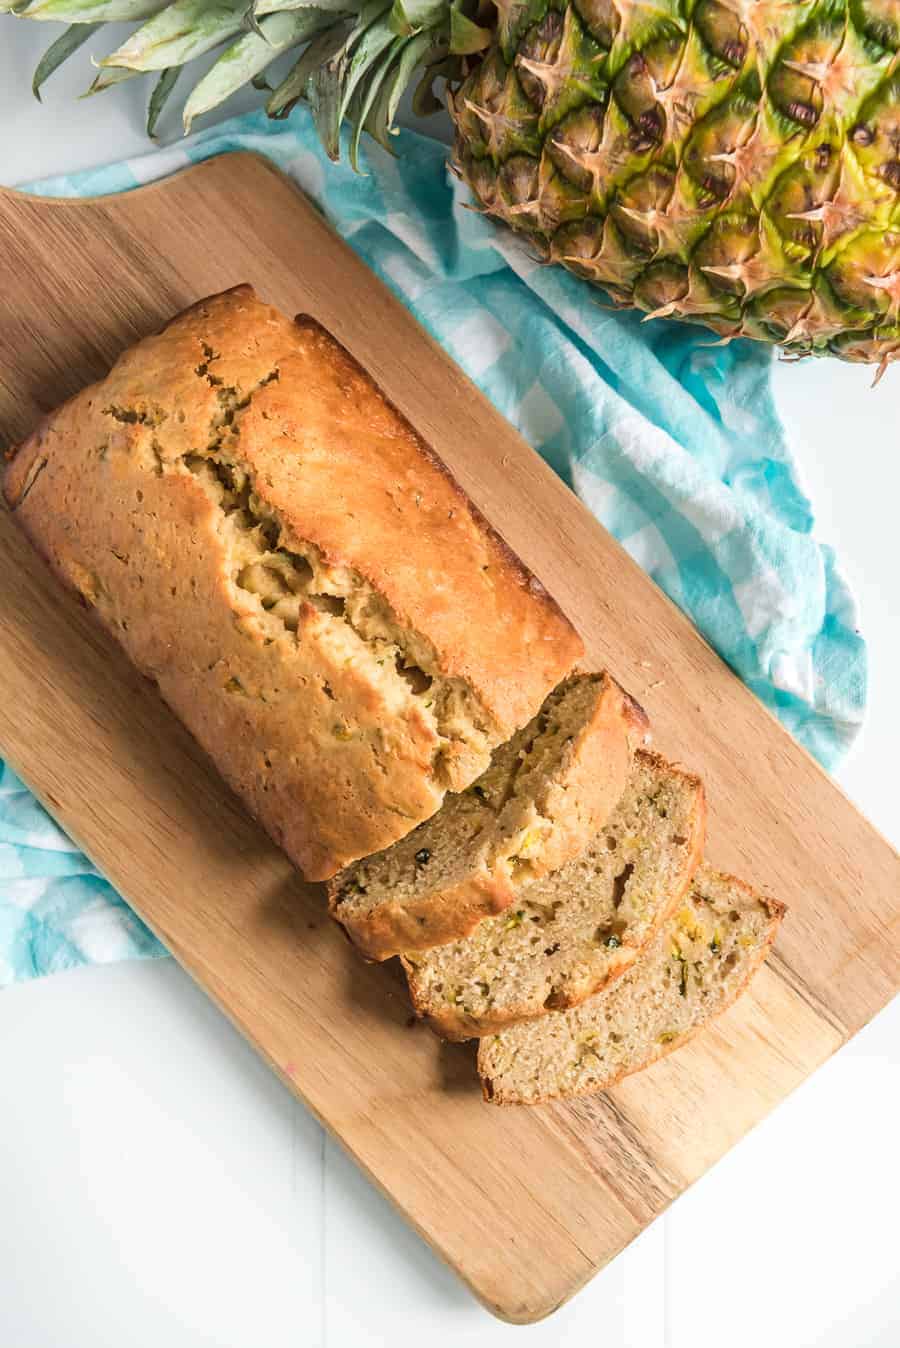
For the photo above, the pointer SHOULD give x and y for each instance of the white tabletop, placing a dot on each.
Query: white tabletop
(158, 1186)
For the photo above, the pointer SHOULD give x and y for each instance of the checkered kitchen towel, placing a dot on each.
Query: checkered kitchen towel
(673, 442)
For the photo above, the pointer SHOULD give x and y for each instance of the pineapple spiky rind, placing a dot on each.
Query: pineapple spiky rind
(736, 163)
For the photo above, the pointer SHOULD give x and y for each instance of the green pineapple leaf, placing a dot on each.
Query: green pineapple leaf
(105, 79)
(379, 120)
(368, 93)
(160, 96)
(411, 58)
(368, 47)
(324, 93)
(90, 11)
(249, 56)
(466, 37)
(294, 86)
(179, 33)
(413, 16)
(68, 42)
(250, 21)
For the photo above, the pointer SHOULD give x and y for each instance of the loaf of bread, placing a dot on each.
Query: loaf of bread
(701, 961)
(272, 543)
(546, 793)
(314, 595)
(580, 927)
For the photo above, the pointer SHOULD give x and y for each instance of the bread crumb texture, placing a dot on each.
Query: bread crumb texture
(699, 963)
(580, 927)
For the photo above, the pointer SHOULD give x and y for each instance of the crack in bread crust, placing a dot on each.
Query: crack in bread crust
(285, 574)
(34, 471)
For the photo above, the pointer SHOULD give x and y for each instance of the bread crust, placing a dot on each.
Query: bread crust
(458, 1026)
(776, 911)
(594, 770)
(102, 490)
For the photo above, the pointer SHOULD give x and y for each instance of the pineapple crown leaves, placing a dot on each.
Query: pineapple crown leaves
(355, 57)
(250, 21)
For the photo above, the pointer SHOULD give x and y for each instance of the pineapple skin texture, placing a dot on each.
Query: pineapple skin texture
(734, 163)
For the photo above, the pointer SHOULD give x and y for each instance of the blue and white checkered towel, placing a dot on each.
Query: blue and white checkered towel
(673, 442)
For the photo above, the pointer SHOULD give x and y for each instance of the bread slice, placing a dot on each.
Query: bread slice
(578, 928)
(701, 961)
(545, 794)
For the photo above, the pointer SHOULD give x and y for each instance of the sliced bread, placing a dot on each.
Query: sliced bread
(572, 932)
(545, 794)
(702, 959)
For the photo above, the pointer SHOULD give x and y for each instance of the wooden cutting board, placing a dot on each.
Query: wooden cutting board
(525, 1204)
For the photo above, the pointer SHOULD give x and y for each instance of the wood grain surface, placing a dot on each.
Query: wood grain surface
(525, 1204)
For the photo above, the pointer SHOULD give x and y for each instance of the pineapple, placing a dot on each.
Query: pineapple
(734, 163)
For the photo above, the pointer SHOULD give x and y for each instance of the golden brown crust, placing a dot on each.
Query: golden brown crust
(593, 772)
(420, 541)
(457, 1026)
(103, 491)
(776, 910)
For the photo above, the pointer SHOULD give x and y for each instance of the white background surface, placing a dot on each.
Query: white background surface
(158, 1187)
